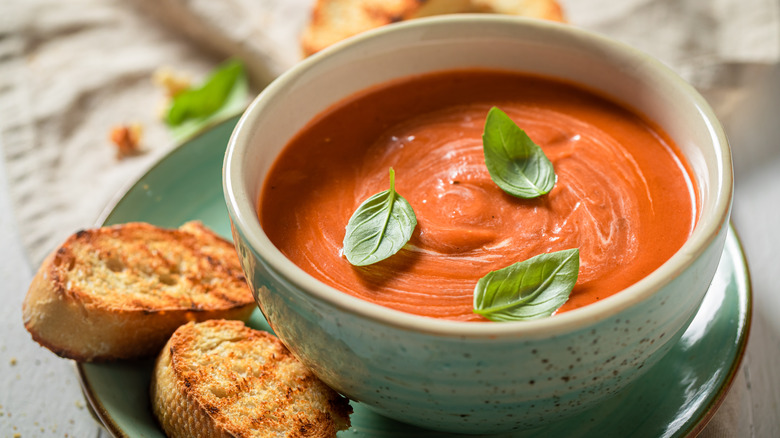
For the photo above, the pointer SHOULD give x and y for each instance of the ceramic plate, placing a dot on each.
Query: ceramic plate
(675, 398)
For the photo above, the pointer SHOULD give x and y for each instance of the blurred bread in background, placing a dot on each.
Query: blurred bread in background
(334, 20)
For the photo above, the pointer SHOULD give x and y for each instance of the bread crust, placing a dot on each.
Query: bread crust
(334, 20)
(222, 379)
(119, 292)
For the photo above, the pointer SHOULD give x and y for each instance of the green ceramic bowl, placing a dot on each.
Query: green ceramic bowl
(478, 377)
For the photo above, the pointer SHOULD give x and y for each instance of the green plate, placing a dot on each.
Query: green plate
(675, 398)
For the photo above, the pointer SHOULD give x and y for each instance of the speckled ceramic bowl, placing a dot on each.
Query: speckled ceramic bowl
(478, 377)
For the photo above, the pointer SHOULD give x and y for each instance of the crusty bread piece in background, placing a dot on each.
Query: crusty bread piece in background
(222, 379)
(119, 292)
(334, 20)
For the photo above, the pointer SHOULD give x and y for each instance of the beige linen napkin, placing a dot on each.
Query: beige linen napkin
(69, 71)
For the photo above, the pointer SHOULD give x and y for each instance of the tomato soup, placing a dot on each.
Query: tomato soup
(623, 193)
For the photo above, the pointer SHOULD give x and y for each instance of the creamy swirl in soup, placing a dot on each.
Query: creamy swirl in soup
(623, 194)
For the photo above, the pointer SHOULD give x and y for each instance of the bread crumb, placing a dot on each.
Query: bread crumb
(79, 404)
(127, 139)
(13, 361)
(171, 81)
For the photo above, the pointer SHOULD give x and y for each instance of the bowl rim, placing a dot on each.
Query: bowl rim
(244, 218)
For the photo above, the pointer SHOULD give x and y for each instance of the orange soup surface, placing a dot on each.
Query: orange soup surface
(623, 194)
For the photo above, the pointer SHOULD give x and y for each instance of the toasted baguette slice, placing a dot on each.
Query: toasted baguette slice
(119, 292)
(334, 20)
(222, 379)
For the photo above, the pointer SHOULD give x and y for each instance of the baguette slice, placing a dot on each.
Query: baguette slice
(222, 379)
(334, 20)
(119, 292)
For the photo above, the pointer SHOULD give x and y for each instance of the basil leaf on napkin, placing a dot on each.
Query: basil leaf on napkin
(379, 227)
(531, 289)
(224, 94)
(515, 162)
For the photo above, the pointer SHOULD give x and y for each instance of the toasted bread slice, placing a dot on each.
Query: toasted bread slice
(334, 20)
(222, 379)
(119, 292)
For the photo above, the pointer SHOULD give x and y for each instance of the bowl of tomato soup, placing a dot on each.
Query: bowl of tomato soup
(479, 224)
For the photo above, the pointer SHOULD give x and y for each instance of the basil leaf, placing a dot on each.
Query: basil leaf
(531, 289)
(515, 162)
(224, 94)
(379, 227)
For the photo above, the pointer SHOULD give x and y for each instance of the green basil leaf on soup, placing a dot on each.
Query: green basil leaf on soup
(224, 94)
(531, 289)
(515, 162)
(379, 228)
